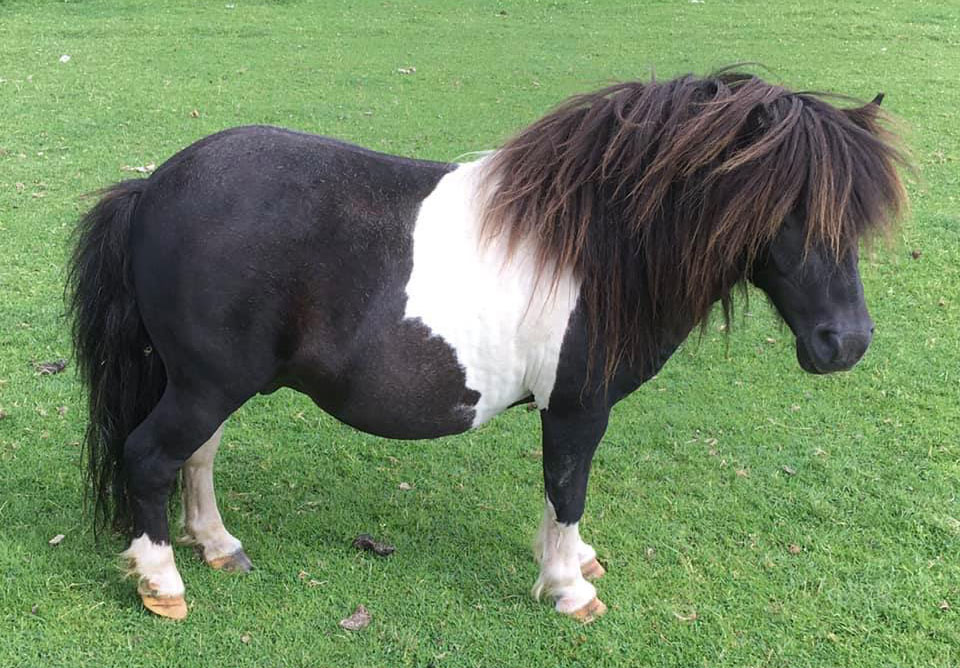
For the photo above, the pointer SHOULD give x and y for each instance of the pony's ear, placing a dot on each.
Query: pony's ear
(866, 116)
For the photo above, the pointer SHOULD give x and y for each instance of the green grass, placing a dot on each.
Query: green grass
(873, 502)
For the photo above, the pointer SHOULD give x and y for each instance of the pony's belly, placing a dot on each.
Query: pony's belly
(392, 419)
(495, 370)
(400, 382)
(412, 383)
(425, 390)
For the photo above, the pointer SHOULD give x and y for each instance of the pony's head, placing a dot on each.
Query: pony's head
(809, 269)
(819, 296)
(663, 196)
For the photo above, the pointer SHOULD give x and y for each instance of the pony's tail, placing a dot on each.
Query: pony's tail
(122, 376)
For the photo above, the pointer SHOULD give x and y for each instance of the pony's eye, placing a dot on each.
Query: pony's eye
(782, 251)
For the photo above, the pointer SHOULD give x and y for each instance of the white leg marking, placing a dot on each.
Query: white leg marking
(203, 525)
(585, 552)
(559, 551)
(154, 567)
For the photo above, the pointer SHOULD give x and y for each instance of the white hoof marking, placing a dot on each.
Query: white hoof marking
(560, 552)
(154, 567)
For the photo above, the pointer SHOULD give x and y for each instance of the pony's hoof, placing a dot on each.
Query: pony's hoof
(174, 607)
(590, 611)
(592, 570)
(238, 562)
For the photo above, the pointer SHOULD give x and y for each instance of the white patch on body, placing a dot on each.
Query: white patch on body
(505, 327)
(202, 523)
(154, 567)
(560, 553)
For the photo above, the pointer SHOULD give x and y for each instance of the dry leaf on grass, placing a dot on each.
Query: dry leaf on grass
(692, 617)
(56, 540)
(367, 542)
(50, 368)
(405, 486)
(794, 549)
(141, 169)
(360, 619)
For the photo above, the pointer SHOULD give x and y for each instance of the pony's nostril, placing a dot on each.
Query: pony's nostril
(836, 348)
(829, 342)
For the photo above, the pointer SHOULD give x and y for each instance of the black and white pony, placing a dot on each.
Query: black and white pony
(414, 299)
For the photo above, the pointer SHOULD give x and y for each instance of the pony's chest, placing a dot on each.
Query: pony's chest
(505, 328)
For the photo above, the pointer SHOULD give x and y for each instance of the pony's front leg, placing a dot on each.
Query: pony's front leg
(565, 560)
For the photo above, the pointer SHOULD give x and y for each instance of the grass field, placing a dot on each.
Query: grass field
(716, 555)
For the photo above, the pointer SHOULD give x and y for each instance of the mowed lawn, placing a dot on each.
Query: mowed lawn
(748, 514)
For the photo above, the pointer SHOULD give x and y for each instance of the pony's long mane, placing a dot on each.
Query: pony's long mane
(660, 195)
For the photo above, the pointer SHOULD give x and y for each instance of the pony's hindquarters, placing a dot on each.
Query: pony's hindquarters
(143, 423)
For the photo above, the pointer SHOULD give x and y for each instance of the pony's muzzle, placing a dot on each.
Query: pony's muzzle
(833, 348)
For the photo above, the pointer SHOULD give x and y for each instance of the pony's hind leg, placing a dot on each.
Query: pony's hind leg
(179, 424)
(202, 525)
